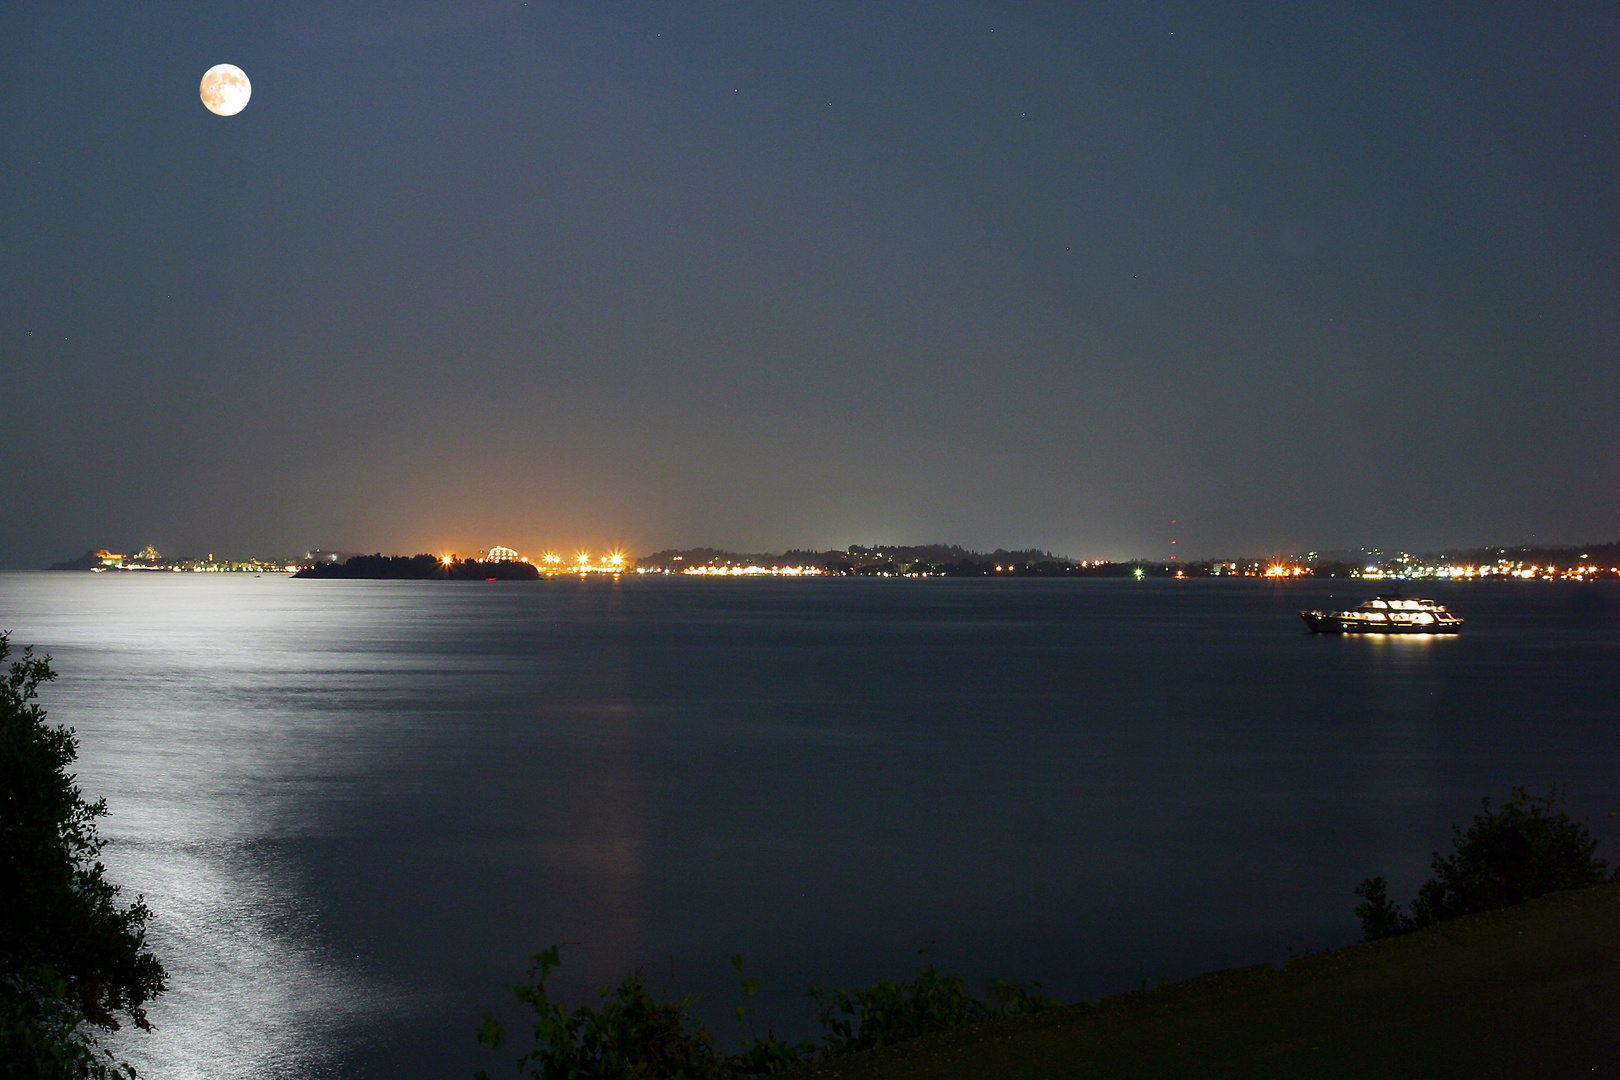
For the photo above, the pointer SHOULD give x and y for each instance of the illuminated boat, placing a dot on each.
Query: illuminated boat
(1395, 614)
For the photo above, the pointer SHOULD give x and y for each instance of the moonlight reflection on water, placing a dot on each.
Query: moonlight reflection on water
(252, 992)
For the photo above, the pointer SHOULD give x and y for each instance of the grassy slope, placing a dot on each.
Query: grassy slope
(1527, 992)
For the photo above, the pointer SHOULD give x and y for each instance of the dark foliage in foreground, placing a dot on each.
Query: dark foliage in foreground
(420, 567)
(1529, 846)
(890, 1012)
(634, 1035)
(71, 959)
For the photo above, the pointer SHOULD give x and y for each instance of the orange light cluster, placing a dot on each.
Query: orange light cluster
(551, 563)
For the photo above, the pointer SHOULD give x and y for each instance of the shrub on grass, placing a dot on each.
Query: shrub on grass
(1527, 847)
(631, 1035)
(890, 1012)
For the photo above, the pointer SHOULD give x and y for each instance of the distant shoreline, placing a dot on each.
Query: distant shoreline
(1588, 563)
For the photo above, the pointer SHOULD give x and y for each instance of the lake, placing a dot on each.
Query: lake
(356, 807)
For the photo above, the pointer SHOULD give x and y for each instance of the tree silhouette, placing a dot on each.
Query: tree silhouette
(71, 959)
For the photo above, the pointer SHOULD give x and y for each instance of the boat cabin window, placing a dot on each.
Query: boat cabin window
(1377, 603)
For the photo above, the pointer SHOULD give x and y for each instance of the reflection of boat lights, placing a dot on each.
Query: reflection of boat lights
(1394, 640)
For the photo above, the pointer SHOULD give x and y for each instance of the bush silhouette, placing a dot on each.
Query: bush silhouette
(889, 1012)
(633, 1035)
(1527, 847)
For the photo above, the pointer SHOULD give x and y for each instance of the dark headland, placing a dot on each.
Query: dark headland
(421, 567)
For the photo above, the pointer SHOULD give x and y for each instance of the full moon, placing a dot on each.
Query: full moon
(225, 89)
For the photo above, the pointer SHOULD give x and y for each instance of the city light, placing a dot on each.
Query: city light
(754, 571)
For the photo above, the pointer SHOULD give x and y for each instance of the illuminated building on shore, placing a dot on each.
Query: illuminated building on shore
(751, 571)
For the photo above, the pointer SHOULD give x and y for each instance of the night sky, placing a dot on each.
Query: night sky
(761, 275)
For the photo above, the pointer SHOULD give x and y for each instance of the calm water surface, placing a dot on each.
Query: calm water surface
(356, 807)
